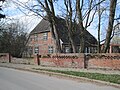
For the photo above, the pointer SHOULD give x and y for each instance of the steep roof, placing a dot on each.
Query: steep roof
(44, 26)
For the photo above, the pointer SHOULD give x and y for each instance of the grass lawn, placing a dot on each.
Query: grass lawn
(113, 78)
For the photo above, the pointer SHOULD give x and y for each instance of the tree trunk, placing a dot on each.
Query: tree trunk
(99, 18)
(110, 25)
(57, 41)
(70, 23)
(80, 20)
(52, 19)
(71, 39)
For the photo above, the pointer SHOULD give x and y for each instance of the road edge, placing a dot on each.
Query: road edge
(64, 76)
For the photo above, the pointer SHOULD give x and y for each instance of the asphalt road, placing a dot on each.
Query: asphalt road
(11, 79)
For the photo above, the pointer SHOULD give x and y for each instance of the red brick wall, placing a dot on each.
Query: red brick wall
(105, 61)
(101, 61)
(63, 60)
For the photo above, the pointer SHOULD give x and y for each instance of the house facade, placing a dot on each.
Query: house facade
(114, 48)
(115, 41)
(41, 43)
(41, 40)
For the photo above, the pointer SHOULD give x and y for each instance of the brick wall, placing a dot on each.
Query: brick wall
(101, 61)
(104, 61)
(5, 57)
(22, 61)
(62, 60)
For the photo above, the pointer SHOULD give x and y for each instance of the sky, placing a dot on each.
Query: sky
(14, 12)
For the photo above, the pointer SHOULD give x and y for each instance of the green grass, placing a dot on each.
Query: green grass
(113, 78)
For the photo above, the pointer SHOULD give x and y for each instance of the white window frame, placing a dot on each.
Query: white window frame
(36, 37)
(45, 36)
(50, 49)
(36, 50)
(67, 49)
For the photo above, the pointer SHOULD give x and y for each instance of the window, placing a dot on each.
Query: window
(86, 50)
(36, 50)
(36, 37)
(94, 49)
(50, 49)
(78, 49)
(90, 50)
(67, 49)
(45, 36)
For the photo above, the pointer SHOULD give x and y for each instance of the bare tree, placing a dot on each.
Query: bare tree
(13, 38)
(45, 9)
(101, 10)
(80, 21)
(81, 18)
(69, 23)
(85, 12)
(85, 16)
(1, 15)
(99, 27)
(99, 23)
(113, 4)
(49, 8)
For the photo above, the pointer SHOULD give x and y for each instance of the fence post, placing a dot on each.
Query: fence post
(38, 61)
(86, 59)
(9, 57)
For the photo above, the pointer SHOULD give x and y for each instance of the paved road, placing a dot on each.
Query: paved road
(11, 79)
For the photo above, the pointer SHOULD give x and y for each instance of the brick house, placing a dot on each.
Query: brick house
(115, 41)
(114, 48)
(41, 41)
